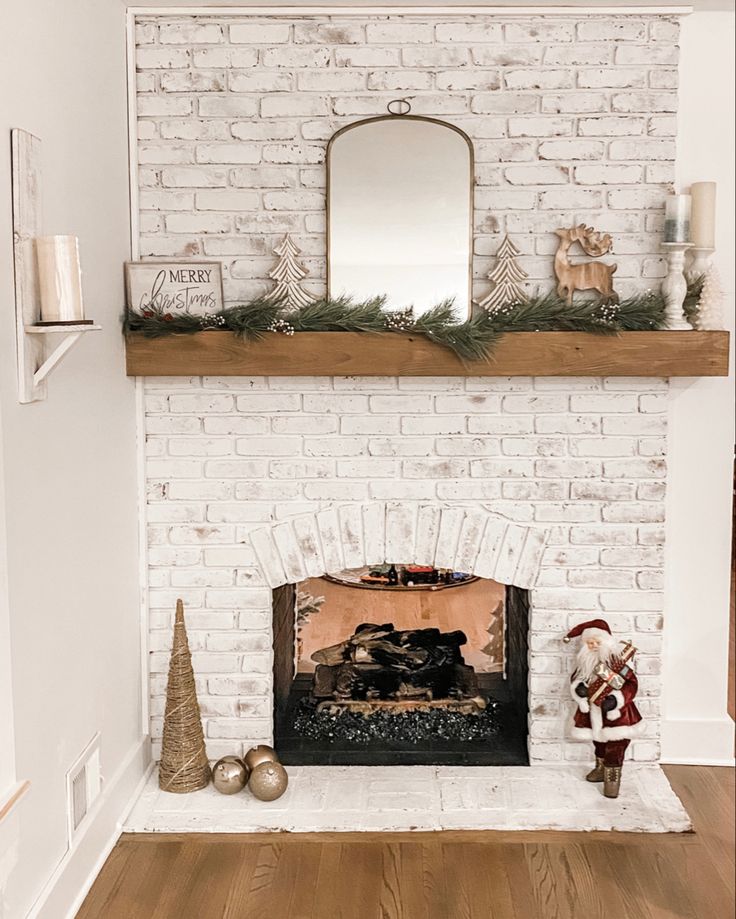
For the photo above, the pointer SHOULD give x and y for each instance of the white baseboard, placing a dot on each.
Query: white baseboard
(65, 890)
(698, 743)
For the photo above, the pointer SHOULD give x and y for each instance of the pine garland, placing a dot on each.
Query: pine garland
(473, 339)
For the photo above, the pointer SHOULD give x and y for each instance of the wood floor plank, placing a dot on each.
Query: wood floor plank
(110, 884)
(262, 886)
(547, 888)
(709, 793)
(464, 896)
(516, 869)
(434, 881)
(498, 881)
(304, 893)
(454, 875)
(611, 870)
(329, 871)
(172, 888)
(414, 900)
(238, 896)
(359, 880)
(579, 888)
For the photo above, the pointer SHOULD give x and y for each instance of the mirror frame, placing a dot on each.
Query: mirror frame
(471, 188)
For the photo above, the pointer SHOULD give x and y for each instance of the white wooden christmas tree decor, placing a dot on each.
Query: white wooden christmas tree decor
(289, 274)
(709, 315)
(507, 277)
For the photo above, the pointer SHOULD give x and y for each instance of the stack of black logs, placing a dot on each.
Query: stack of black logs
(379, 662)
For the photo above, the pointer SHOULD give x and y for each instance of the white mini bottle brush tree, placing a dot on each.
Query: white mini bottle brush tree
(709, 314)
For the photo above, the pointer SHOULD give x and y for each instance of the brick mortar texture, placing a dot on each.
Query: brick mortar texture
(584, 457)
(571, 120)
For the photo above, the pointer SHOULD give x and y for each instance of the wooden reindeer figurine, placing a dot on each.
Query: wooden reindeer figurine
(589, 275)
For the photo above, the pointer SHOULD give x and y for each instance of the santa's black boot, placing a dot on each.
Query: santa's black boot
(611, 781)
(596, 773)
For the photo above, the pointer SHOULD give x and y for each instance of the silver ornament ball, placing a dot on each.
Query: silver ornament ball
(230, 775)
(260, 754)
(268, 781)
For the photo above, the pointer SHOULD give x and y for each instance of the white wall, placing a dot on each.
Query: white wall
(7, 734)
(69, 462)
(696, 726)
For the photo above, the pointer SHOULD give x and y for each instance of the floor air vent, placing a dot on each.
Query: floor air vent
(83, 783)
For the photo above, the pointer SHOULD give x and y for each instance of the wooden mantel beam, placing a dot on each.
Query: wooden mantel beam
(640, 354)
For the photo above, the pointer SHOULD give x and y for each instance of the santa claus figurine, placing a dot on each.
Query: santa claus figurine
(604, 687)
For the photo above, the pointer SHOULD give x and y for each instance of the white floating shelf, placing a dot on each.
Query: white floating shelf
(37, 357)
(62, 328)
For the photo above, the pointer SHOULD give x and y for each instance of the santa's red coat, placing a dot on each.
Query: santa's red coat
(621, 723)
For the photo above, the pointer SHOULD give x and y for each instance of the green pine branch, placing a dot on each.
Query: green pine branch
(471, 340)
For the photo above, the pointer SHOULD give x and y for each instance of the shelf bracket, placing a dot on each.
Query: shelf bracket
(56, 355)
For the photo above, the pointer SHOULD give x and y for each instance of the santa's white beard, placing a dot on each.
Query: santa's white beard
(588, 660)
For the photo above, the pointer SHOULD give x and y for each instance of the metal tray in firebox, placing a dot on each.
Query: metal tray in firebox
(351, 578)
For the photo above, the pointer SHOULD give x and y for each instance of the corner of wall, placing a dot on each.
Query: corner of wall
(68, 886)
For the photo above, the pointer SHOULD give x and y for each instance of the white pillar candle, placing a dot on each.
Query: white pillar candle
(677, 219)
(59, 279)
(703, 220)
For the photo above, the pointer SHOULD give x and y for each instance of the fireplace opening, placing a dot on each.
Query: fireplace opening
(400, 664)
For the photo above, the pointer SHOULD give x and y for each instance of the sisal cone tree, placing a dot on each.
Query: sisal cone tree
(184, 766)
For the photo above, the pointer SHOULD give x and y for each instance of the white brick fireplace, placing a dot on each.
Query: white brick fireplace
(572, 119)
(581, 461)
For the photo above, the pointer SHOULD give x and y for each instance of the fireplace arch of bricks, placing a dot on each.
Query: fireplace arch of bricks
(352, 535)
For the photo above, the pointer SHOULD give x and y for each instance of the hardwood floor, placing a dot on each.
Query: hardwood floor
(434, 875)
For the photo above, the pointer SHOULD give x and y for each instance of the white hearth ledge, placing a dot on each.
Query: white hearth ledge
(422, 798)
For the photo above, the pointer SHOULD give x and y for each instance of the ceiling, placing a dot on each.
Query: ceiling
(589, 5)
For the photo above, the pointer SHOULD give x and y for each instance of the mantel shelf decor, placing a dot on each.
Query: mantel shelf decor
(341, 337)
(639, 354)
(473, 339)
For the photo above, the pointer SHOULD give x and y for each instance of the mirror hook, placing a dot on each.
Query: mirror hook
(399, 107)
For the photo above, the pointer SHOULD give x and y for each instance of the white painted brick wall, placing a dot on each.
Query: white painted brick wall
(571, 120)
(584, 457)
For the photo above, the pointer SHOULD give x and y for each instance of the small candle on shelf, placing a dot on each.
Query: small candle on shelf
(59, 279)
(677, 219)
(703, 218)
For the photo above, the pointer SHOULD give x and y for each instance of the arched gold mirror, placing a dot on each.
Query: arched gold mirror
(400, 212)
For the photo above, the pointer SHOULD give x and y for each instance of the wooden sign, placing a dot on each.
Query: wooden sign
(174, 287)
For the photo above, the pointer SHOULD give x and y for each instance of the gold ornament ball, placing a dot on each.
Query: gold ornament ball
(260, 754)
(230, 775)
(268, 781)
